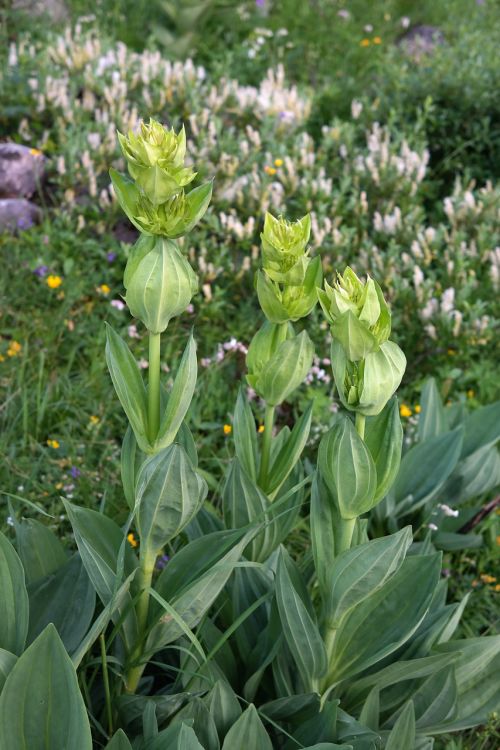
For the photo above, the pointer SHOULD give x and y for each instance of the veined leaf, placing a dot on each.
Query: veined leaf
(196, 599)
(179, 398)
(245, 436)
(300, 630)
(348, 469)
(248, 732)
(290, 452)
(482, 427)
(99, 541)
(40, 550)
(224, 707)
(119, 741)
(14, 597)
(325, 520)
(359, 572)
(67, 599)
(403, 733)
(382, 622)
(129, 386)
(432, 420)
(41, 707)
(384, 439)
(415, 486)
(169, 493)
(203, 723)
(476, 673)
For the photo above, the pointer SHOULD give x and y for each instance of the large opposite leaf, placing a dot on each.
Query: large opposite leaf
(244, 503)
(300, 630)
(180, 397)
(403, 733)
(476, 672)
(359, 572)
(382, 622)
(248, 732)
(169, 493)
(99, 540)
(245, 436)
(432, 420)
(482, 427)
(348, 469)
(41, 707)
(40, 550)
(193, 601)
(65, 598)
(290, 452)
(325, 521)
(119, 742)
(384, 439)
(425, 469)
(14, 599)
(129, 386)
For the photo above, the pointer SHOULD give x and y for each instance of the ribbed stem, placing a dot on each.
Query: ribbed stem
(145, 576)
(154, 386)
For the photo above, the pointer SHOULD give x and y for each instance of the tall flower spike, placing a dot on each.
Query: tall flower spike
(358, 314)
(286, 286)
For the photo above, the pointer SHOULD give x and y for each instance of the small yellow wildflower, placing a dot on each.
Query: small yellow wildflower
(418, 408)
(53, 443)
(451, 352)
(2, 358)
(487, 578)
(405, 410)
(53, 281)
(104, 289)
(132, 540)
(227, 429)
(35, 152)
(14, 349)
(498, 540)
(278, 162)
(377, 40)
(261, 429)
(365, 42)
(497, 587)
(59, 486)
(269, 170)
(94, 419)
(470, 393)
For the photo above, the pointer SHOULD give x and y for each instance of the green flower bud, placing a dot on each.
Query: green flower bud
(155, 159)
(173, 218)
(159, 282)
(293, 301)
(358, 314)
(275, 379)
(263, 346)
(284, 249)
(366, 386)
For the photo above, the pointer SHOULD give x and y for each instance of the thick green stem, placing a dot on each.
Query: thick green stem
(145, 576)
(154, 386)
(360, 425)
(266, 444)
(346, 531)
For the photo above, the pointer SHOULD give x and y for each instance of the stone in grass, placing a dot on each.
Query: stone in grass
(55, 10)
(18, 214)
(21, 170)
(421, 40)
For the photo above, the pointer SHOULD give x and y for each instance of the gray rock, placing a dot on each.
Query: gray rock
(421, 40)
(21, 170)
(17, 214)
(54, 9)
